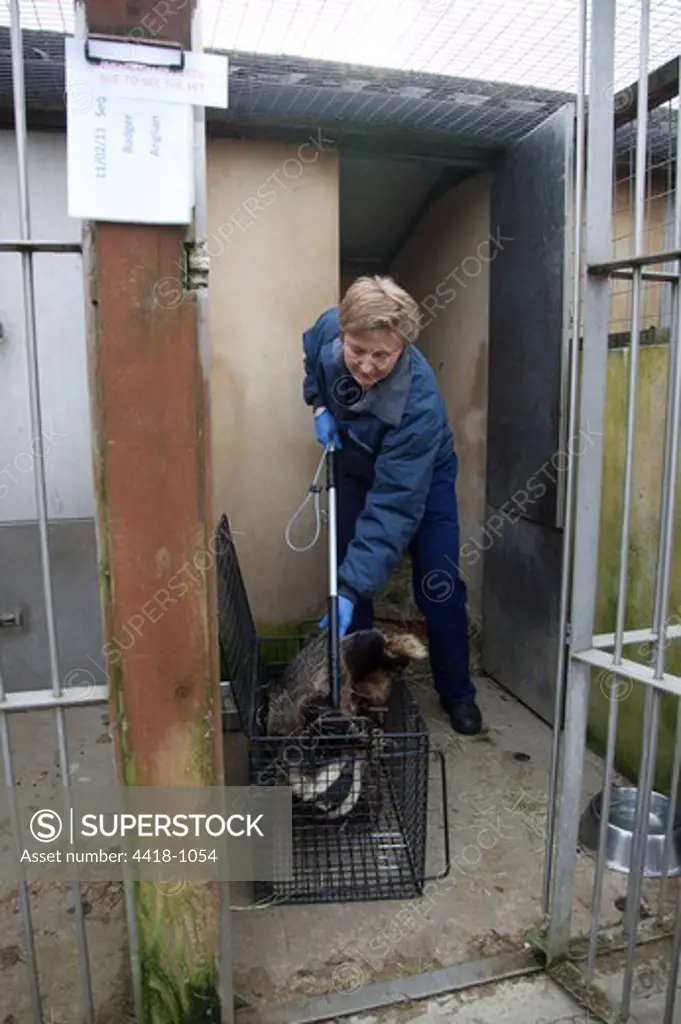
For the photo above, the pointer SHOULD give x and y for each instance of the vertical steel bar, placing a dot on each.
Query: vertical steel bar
(639, 220)
(665, 554)
(81, 933)
(24, 900)
(600, 144)
(669, 832)
(652, 699)
(566, 574)
(659, 619)
(226, 979)
(31, 335)
(613, 718)
(651, 726)
(667, 524)
(646, 778)
(673, 980)
(133, 942)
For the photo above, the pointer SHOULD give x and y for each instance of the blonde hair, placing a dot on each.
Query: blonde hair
(373, 303)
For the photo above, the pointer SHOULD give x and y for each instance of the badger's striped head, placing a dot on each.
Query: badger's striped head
(333, 791)
(330, 776)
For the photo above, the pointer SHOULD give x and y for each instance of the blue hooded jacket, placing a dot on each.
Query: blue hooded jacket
(394, 436)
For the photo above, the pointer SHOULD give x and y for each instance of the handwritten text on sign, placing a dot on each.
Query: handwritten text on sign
(202, 81)
(130, 161)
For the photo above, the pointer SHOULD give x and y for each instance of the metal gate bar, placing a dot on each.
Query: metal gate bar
(24, 901)
(568, 525)
(606, 651)
(674, 785)
(622, 588)
(639, 214)
(600, 146)
(24, 245)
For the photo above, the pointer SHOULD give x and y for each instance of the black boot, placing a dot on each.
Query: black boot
(464, 715)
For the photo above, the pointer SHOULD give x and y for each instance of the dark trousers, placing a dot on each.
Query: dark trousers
(439, 591)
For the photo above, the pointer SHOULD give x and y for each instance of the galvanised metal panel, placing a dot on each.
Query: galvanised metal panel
(529, 301)
(521, 608)
(24, 654)
(62, 353)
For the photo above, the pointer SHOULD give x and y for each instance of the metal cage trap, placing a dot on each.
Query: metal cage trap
(359, 782)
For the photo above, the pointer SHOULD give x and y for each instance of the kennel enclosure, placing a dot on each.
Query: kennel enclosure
(29, 691)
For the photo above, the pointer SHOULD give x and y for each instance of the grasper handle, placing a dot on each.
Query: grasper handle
(334, 640)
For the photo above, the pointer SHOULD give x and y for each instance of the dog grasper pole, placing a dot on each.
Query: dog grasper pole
(334, 645)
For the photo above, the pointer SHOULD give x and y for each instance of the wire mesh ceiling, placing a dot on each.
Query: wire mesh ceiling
(524, 42)
(479, 71)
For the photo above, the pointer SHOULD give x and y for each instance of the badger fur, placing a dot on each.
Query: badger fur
(328, 762)
(369, 662)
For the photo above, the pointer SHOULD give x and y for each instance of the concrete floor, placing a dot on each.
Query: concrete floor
(649, 982)
(497, 814)
(533, 1000)
(497, 809)
(34, 747)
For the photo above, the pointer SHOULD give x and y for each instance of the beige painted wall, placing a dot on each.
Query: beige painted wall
(273, 216)
(275, 245)
(456, 340)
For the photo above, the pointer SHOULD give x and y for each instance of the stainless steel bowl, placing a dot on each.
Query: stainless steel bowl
(619, 842)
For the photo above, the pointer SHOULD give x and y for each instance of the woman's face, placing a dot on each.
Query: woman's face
(371, 355)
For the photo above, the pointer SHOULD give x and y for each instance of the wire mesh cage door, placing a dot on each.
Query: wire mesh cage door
(241, 667)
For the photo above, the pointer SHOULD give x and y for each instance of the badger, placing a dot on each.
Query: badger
(327, 761)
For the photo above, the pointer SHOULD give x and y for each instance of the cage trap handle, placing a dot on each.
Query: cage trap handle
(334, 640)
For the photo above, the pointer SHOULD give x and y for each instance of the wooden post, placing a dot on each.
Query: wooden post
(149, 382)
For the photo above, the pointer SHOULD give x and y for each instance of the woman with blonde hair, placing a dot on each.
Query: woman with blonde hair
(376, 397)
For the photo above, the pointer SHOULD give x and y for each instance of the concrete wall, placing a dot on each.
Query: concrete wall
(275, 268)
(455, 340)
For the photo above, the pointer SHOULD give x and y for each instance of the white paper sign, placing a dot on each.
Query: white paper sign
(129, 160)
(202, 81)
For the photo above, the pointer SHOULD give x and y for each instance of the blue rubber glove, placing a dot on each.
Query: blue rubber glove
(326, 429)
(345, 612)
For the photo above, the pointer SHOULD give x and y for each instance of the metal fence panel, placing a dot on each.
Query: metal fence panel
(624, 282)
